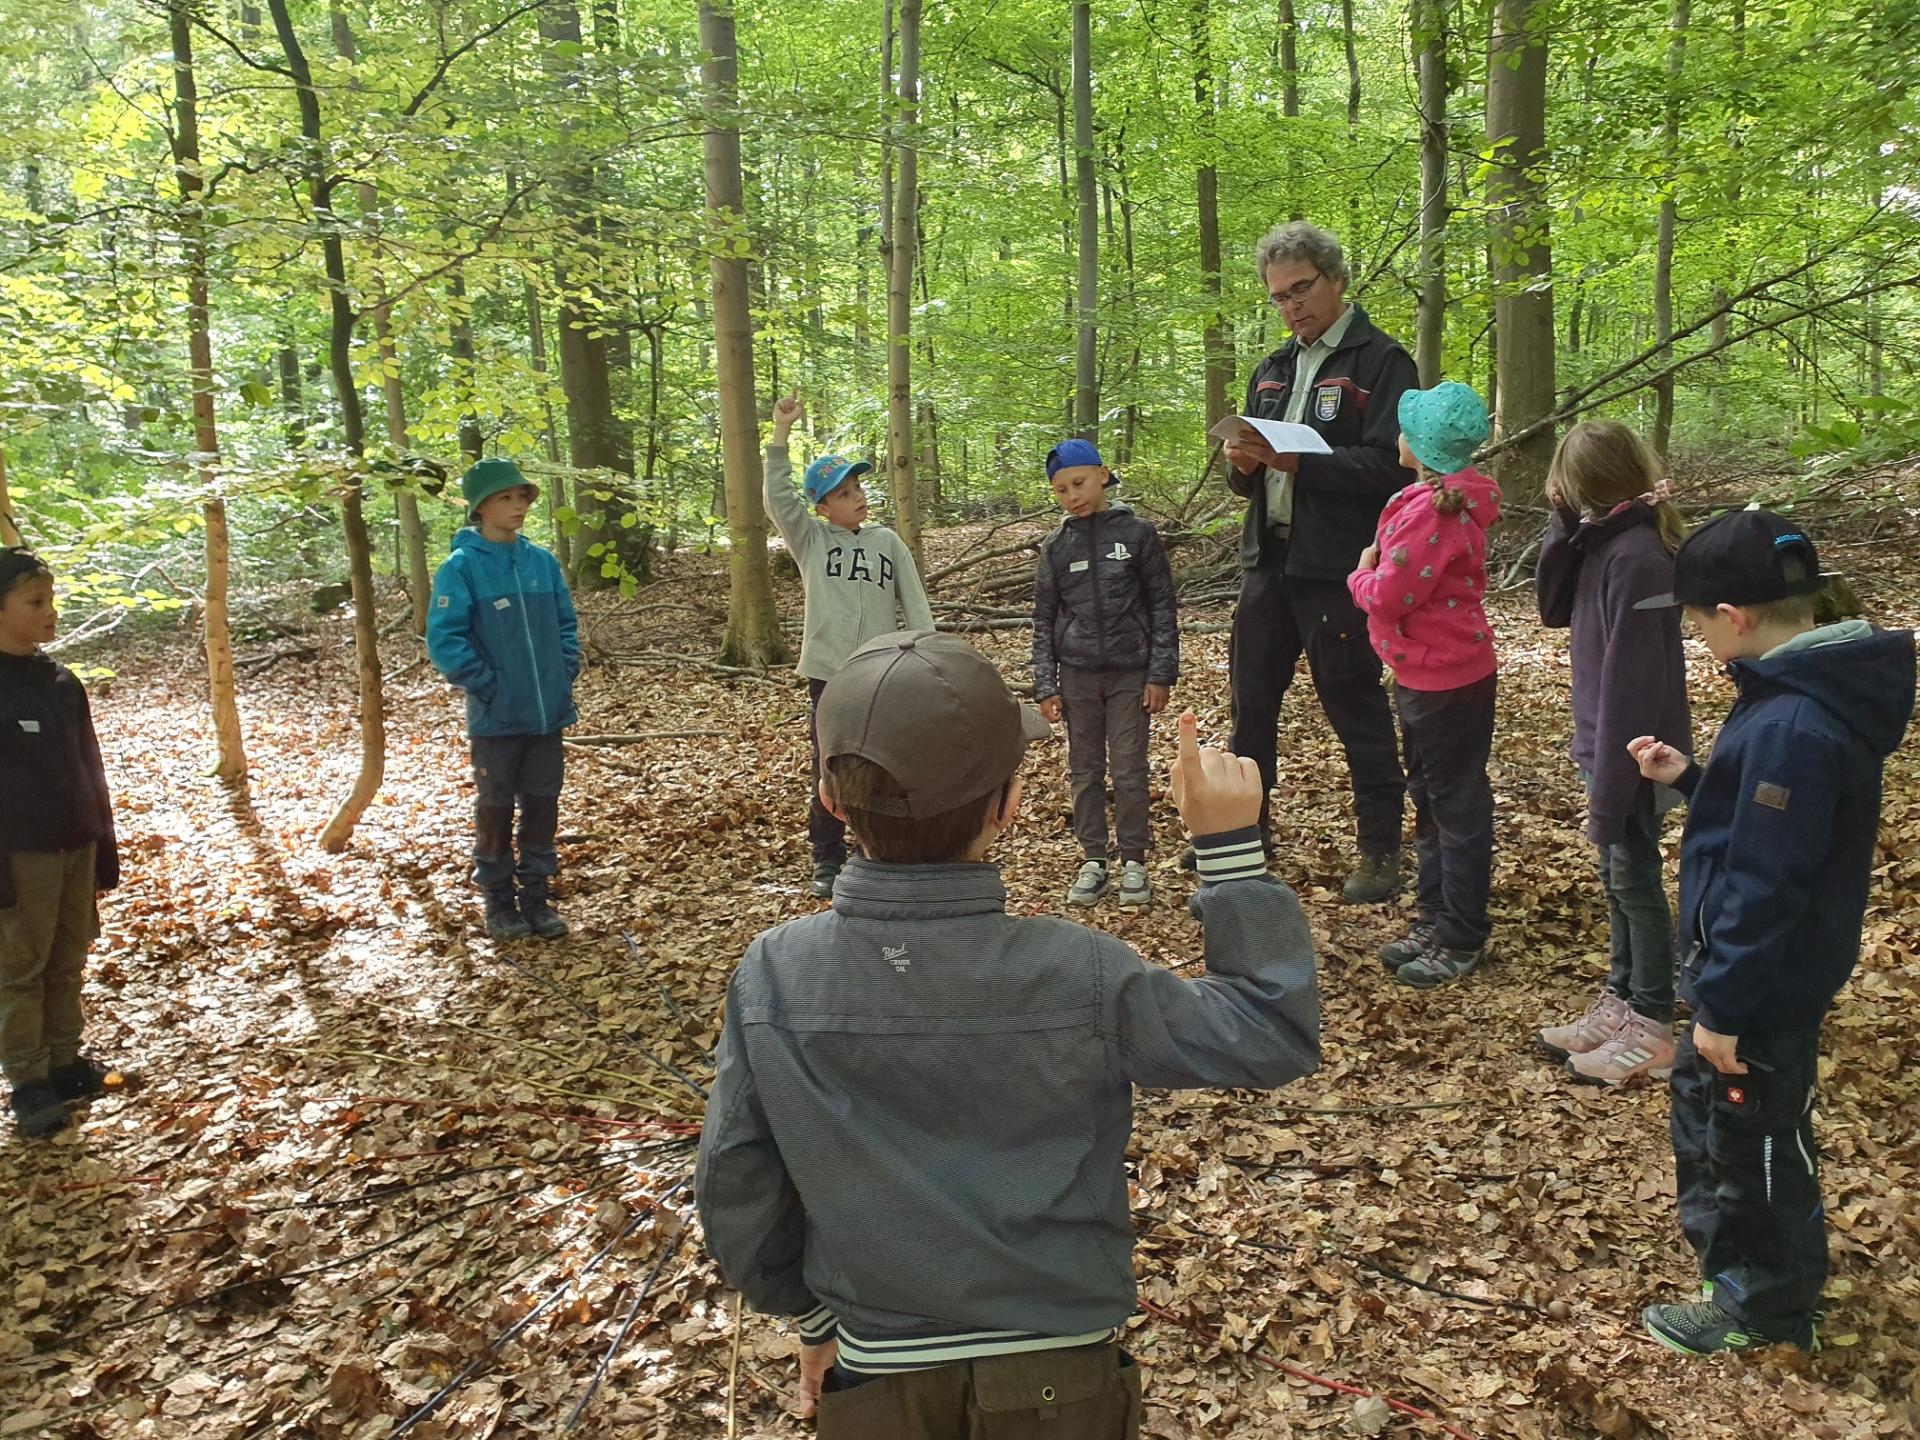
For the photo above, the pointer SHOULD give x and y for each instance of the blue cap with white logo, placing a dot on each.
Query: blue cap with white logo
(828, 474)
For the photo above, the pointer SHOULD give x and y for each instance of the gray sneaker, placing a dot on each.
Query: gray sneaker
(1134, 889)
(1374, 879)
(1090, 884)
(1439, 966)
(1409, 947)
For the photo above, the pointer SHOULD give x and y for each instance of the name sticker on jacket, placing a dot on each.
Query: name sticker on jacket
(503, 603)
(1078, 565)
(32, 727)
(1774, 797)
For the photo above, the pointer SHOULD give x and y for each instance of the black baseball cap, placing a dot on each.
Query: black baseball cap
(1739, 558)
(931, 711)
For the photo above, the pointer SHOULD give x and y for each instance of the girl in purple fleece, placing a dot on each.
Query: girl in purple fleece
(1422, 584)
(1608, 546)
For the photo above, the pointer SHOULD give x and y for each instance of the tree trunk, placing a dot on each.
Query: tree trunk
(753, 627)
(1717, 329)
(460, 346)
(557, 486)
(1523, 298)
(1353, 132)
(292, 401)
(9, 527)
(366, 640)
(900, 467)
(1430, 47)
(1290, 103)
(1086, 385)
(230, 763)
(1663, 245)
(1216, 337)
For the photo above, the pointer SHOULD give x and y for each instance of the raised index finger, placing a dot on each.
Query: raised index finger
(1189, 752)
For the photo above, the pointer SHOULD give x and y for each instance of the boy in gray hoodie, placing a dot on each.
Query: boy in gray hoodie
(859, 579)
(916, 1141)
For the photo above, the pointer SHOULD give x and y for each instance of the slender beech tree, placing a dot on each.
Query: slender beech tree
(230, 763)
(1663, 245)
(753, 627)
(1430, 60)
(1523, 294)
(1086, 380)
(906, 187)
(9, 530)
(1216, 335)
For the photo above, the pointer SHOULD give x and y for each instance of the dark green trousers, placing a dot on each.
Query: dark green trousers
(1091, 1393)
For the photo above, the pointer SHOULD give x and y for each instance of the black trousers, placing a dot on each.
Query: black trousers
(826, 834)
(1277, 620)
(1749, 1183)
(529, 769)
(1448, 735)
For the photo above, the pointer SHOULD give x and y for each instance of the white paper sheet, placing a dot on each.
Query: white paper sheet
(1284, 436)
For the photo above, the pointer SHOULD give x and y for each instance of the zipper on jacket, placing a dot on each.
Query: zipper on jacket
(1093, 574)
(526, 628)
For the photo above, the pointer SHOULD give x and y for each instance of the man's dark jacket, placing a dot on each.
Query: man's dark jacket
(1783, 822)
(1337, 498)
(53, 787)
(1103, 600)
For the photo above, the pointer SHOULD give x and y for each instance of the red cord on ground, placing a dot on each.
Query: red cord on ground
(1161, 1313)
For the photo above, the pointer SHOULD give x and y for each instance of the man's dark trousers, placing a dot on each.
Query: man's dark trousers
(529, 769)
(1276, 620)
(1749, 1182)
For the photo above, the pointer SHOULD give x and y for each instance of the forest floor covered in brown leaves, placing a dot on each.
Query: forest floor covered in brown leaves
(377, 1155)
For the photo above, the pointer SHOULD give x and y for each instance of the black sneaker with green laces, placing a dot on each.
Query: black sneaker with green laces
(1703, 1328)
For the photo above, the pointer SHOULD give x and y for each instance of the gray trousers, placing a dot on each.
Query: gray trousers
(529, 769)
(1107, 734)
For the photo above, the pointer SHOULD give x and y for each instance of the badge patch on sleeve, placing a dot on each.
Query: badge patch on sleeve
(1326, 402)
(1774, 797)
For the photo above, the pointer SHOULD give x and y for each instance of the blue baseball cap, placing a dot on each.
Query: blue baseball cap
(1070, 453)
(828, 474)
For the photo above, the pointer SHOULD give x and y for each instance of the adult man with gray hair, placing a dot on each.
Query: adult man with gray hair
(1308, 518)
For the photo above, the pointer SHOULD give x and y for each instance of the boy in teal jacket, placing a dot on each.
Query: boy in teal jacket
(502, 628)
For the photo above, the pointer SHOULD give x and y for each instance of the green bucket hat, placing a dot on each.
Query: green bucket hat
(1444, 426)
(490, 477)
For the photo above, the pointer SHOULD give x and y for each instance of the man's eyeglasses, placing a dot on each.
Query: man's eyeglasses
(1296, 295)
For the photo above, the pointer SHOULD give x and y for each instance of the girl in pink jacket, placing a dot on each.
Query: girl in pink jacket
(1422, 584)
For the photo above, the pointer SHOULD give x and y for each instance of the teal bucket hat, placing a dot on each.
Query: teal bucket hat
(1444, 426)
(489, 477)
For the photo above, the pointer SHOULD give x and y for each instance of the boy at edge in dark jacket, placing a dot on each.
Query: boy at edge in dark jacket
(1782, 824)
(502, 628)
(57, 852)
(1106, 652)
(950, 1256)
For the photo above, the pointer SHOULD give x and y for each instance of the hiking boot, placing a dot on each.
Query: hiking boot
(1090, 884)
(79, 1079)
(504, 920)
(822, 883)
(1134, 889)
(38, 1110)
(1639, 1047)
(1589, 1032)
(1374, 879)
(1703, 1328)
(1409, 947)
(1439, 966)
(538, 912)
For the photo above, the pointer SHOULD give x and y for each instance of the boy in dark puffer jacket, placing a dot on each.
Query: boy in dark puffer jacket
(57, 852)
(1106, 652)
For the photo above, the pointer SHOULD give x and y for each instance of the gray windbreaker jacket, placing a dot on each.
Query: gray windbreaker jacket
(859, 584)
(922, 1104)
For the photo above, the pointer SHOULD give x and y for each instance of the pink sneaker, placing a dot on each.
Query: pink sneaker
(1589, 1032)
(1640, 1047)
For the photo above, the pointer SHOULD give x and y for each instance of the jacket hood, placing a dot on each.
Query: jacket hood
(1114, 507)
(1862, 677)
(1483, 496)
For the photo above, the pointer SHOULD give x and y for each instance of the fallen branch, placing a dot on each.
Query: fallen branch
(640, 736)
(980, 557)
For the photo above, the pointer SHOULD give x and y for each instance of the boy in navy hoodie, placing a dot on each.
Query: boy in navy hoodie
(1774, 867)
(502, 628)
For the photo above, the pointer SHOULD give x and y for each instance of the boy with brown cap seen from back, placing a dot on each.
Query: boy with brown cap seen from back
(916, 1141)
